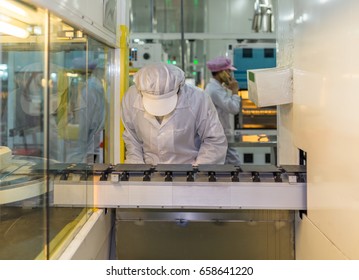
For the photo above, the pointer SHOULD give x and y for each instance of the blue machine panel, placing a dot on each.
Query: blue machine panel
(251, 58)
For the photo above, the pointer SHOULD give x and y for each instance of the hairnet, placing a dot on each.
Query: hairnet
(159, 84)
(220, 63)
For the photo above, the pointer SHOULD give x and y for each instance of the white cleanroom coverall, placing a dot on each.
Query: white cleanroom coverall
(227, 104)
(190, 134)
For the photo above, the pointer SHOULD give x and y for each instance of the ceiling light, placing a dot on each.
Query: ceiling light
(11, 7)
(19, 11)
(13, 30)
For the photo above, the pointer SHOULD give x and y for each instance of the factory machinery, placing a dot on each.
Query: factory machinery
(254, 204)
(177, 186)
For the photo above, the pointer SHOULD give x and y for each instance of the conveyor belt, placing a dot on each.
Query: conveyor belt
(146, 172)
(176, 186)
(172, 186)
(181, 186)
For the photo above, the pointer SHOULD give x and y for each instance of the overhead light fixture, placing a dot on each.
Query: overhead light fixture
(15, 17)
(13, 30)
(13, 8)
(19, 11)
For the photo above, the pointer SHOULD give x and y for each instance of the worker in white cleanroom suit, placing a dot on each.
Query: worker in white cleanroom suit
(83, 126)
(76, 112)
(169, 121)
(223, 90)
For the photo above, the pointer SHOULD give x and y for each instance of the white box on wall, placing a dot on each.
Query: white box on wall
(270, 86)
(144, 54)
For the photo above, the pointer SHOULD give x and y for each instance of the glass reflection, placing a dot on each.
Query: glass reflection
(59, 121)
(77, 107)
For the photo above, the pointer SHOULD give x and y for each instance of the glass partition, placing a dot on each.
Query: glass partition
(53, 108)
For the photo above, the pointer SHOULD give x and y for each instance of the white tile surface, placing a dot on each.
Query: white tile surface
(325, 114)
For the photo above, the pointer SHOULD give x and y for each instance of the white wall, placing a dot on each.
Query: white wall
(288, 153)
(230, 16)
(324, 123)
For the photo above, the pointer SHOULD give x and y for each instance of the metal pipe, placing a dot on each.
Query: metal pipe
(182, 37)
(151, 14)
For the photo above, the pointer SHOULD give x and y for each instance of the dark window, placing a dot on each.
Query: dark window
(248, 158)
(267, 158)
(268, 53)
(248, 53)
